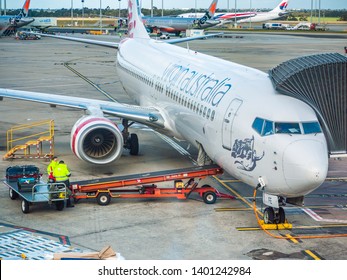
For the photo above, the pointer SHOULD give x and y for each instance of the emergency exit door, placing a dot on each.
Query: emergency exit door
(228, 123)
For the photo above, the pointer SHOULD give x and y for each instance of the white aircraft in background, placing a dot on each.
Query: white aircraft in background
(276, 13)
(43, 23)
(13, 22)
(230, 112)
(250, 16)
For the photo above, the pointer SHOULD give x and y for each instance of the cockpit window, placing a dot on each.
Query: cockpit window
(311, 127)
(258, 125)
(287, 128)
(263, 127)
(268, 128)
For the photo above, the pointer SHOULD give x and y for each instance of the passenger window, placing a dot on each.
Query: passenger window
(208, 113)
(258, 125)
(311, 127)
(212, 115)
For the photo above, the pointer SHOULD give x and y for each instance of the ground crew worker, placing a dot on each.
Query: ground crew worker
(61, 173)
(54, 162)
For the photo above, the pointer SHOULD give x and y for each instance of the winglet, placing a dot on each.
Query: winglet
(209, 13)
(136, 29)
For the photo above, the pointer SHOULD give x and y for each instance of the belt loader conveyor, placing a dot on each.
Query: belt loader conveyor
(144, 185)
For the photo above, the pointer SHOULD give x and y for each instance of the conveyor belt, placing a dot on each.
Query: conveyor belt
(147, 178)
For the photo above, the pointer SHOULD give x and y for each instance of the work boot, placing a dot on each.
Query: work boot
(69, 204)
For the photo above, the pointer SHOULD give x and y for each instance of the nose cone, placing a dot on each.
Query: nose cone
(305, 166)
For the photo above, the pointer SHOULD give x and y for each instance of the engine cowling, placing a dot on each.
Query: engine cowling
(96, 140)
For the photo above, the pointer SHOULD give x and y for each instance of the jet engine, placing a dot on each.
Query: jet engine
(96, 140)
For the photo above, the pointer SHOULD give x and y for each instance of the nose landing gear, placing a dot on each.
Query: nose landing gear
(274, 215)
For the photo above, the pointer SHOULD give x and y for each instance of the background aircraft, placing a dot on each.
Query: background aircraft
(9, 24)
(276, 13)
(43, 23)
(230, 112)
(252, 16)
(177, 25)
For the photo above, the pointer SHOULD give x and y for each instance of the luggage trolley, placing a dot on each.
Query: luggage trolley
(25, 182)
(143, 186)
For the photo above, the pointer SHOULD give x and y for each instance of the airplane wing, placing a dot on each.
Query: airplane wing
(115, 45)
(148, 116)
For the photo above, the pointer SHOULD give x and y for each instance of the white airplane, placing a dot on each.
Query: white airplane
(8, 23)
(276, 13)
(250, 16)
(230, 112)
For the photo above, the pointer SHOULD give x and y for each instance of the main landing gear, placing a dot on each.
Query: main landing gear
(131, 141)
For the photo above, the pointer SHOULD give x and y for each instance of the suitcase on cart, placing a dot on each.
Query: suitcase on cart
(26, 176)
(13, 173)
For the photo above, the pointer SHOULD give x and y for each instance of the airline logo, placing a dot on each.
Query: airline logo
(201, 86)
(283, 6)
(213, 8)
(209, 14)
(26, 7)
(245, 155)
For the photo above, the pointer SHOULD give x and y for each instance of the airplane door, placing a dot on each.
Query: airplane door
(228, 123)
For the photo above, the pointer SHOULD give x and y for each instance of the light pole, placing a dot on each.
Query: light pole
(311, 11)
(235, 24)
(100, 16)
(0, 7)
(71, 12)
(82, 12)
(250, 18)
(162, 8)
(119, 9)
(5, 7)
(319, 12)
(195, 9)
(151, 8)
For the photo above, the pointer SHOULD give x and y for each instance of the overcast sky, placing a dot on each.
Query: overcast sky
(168, 4)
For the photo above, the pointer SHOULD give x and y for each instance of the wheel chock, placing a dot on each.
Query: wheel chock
(276, 226)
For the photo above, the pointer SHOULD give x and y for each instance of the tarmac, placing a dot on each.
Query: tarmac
(156, 229)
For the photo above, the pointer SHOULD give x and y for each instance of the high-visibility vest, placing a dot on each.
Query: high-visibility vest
(61, 172)
(52, 166)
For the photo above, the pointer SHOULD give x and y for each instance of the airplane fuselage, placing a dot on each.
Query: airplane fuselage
(172, 24)
(7, 22)
(261, 17)
(217, 104)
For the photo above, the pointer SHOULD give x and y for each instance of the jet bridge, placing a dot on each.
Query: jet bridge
(321, 81)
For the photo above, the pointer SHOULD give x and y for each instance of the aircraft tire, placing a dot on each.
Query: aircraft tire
(134, 144)
(269, 215)
(281, 216)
